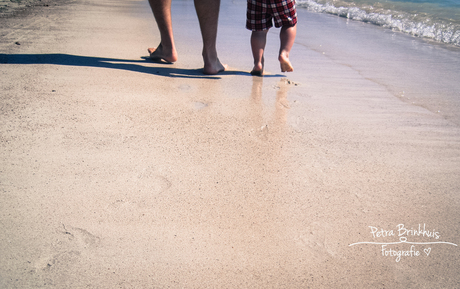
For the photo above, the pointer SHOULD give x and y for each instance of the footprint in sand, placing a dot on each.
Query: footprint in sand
(66, 250)
(198, 105)
(314, 237)
(131, 205)
(81, 238)
(149, 183)
(184, 87)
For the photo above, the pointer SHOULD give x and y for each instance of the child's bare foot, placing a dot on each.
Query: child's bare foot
(159, 54)
(258, 68)
(285, 64)
(257, 72)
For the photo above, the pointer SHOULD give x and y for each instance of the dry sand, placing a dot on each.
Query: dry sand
(11, 8)
(120, 173)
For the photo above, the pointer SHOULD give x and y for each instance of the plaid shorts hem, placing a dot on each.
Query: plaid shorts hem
(262, 13)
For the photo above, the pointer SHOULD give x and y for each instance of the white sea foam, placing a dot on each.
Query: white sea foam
(420, 24)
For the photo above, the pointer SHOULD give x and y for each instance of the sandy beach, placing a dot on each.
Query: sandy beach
(117, 172)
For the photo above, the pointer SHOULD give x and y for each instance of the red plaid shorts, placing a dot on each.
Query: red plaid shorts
(261, 13)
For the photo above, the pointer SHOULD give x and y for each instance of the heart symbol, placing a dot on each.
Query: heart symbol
(427, 251)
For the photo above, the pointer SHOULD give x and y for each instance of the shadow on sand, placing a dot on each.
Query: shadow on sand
(142, 65)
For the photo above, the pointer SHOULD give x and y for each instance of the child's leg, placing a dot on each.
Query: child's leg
(258, 41)
(287, 38)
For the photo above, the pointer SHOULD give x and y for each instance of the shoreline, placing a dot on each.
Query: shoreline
(438, 26)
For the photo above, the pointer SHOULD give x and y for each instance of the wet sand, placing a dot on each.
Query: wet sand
(117, 172)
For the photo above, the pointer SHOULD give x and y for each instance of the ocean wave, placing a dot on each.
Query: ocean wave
(420, 24)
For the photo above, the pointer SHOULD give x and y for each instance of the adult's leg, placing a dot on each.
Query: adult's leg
(258, 41)
(287, 38)
(208, 15)
(166, 50)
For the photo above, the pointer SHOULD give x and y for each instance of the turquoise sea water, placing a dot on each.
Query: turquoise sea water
(438, 20)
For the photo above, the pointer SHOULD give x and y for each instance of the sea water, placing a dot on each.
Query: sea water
(438, 20)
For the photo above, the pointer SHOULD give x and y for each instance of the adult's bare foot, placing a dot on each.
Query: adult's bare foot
(159, 54)
(214, 67)
(285, 64)
(258, 69)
